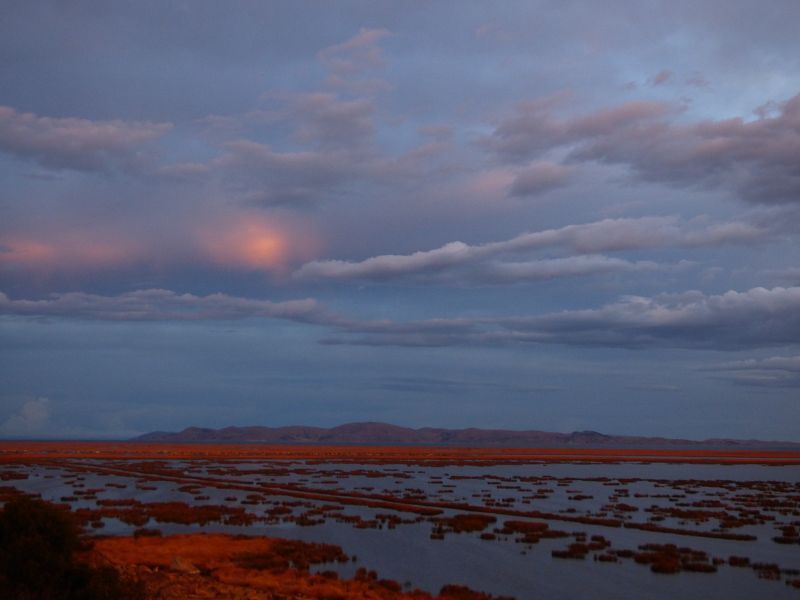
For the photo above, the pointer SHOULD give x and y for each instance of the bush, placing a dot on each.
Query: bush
(38, 541)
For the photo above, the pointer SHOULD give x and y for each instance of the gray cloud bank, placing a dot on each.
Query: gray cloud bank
(73, 143)
(157, 305)
(608, 235)
(775, 371)
(756, 159)
(755, 318)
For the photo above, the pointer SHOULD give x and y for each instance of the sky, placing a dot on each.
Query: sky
(554, 215)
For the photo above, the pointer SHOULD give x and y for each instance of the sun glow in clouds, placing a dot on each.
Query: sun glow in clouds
(248, 242)
(256, 243)
(77, 252)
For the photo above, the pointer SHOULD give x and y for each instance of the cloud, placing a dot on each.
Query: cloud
(775, 371)
(535, 128)
(337, 158)
(351, 62)
(166, 305)
(734, 320)
(240, 240)
(388, 266)
(662, 77)
(67, 251)
(608, 235)
(439, 133)
(493, 32)
(161, 305)
(331, 122)
(755, 159)
(31, 418)
(554, 268)
(697, 80)
(259, 174)
(73, 143)
(785, 276)
(321, 119)
(35, 419)
(755, 318)
(314, 147)
(321, 143)
(328, 149)
(539, 177)
(436, 385)
(252, 242)
(451, 264)
(653, 387)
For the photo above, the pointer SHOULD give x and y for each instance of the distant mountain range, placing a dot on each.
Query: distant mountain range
(384, 433)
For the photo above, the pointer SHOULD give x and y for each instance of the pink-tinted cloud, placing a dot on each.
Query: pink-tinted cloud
(697, 80)
(67, 251)
(662, 77)
(608, 235)
(73, 143)
(351, 62)
(755, 159)
(535, 128)
(539, 177)
(758, 159)
(254, 242)
(240, 240)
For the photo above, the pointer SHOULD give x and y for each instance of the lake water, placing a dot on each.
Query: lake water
(687, 497)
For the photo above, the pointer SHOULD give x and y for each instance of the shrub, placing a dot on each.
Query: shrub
(38, 541)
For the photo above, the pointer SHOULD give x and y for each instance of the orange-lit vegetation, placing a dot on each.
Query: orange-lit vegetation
(385, 488)
(243, 567)
(381, 454)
